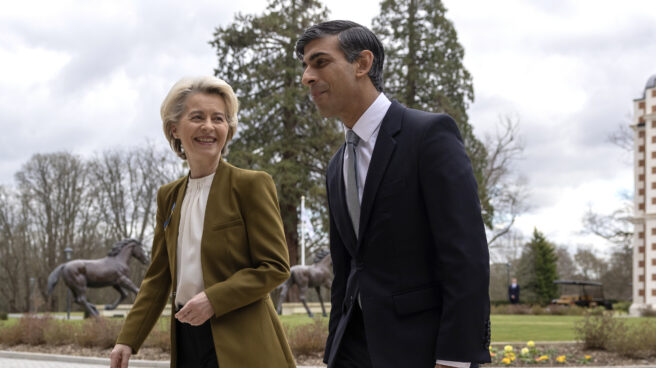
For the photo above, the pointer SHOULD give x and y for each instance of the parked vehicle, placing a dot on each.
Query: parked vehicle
(582, 293)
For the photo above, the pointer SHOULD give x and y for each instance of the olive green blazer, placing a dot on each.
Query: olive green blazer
(243, 257)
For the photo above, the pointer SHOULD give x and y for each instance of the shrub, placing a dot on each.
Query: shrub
(60, 332)
(648, 311)
(3, 316)
(622, 306)
(307, 339)
(99, 332)
(160, 336)
(597, 328)
(28, 330)
(634, 342)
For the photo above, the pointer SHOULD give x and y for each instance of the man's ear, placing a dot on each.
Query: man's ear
(363, 63)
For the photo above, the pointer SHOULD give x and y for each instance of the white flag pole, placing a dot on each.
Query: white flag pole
(303, 230)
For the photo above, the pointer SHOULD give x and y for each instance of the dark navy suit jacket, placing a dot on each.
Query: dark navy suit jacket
(421, 262)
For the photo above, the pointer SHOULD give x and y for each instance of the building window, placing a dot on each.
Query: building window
(641, 177)
(641, 278)
(641, 292)
(641, 249)
(641, 206)
(653, 231)
(653, 139)
(641, 105)
(653, 108)
(641, 148)
(653, 262)
(653, 292)
(642, 162)
(653, 200)
(653, 276)
(653, 247)
(641, 134)
(653, 186)
(641, 264)
(653, 93)
(641, 191)
(653, 170)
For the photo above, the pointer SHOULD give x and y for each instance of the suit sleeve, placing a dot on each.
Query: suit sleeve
(267, 245)
(460, 247)
(154, 290)
(341, 269)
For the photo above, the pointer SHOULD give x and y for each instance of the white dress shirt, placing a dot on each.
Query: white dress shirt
(367, 128)
(192, 215)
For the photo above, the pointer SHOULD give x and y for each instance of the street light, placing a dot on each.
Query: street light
(508, 273)
(68, 252)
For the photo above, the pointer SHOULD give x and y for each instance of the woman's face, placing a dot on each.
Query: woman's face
(203, 128)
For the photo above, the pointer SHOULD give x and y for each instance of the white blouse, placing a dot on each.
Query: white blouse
(190, 232)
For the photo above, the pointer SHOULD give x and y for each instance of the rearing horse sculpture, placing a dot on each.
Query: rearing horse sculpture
(315, 276)
(112, 271)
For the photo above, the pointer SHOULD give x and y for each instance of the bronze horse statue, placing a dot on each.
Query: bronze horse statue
(111, 271)
(315, 276)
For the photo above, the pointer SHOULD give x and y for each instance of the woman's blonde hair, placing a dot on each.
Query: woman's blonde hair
(174, 105)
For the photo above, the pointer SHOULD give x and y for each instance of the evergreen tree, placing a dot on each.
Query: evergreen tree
(280, 130)
(424, 70)
(538, 270)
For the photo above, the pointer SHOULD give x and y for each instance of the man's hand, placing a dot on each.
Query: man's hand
(119, 356)
(196, 311)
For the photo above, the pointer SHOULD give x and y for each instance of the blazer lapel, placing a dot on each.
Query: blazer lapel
(385, 146)
(171, 231)
(338, 203)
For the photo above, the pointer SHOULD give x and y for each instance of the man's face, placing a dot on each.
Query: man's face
(330, 77)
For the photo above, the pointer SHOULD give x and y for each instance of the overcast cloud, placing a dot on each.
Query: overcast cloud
(84, 76)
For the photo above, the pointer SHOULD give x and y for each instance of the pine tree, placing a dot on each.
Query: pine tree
(538, 270)
(424, 70)
(280, 130)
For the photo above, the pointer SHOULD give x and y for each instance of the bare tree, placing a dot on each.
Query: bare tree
(566, 266)
(126, 184)
(589, 265)
(53, 187)
(507, 191)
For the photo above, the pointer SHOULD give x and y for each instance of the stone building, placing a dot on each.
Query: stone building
(644, 236)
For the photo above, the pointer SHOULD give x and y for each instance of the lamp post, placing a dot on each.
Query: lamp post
(32, 307)
(508, 273)
(68, 252)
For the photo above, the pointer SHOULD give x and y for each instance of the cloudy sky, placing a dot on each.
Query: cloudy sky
(84, 76)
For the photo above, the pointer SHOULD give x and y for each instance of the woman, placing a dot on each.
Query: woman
(219, 246)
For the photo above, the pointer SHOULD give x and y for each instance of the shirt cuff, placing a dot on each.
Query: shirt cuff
(453, 364)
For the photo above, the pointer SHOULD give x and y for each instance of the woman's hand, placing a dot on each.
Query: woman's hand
(119, 356)
(196, 311)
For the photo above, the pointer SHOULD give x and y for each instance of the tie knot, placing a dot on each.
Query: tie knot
(352, 138)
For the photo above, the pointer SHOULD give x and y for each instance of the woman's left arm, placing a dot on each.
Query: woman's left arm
(267, 246)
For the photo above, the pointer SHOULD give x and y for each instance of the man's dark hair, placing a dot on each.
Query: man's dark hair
(353, 38)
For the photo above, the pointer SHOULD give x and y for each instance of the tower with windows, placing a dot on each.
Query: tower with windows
(644, 236)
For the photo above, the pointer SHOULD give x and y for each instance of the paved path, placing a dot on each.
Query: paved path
(11, 359)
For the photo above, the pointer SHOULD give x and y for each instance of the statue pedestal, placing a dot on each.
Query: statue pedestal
(298, 308)
(122, 310)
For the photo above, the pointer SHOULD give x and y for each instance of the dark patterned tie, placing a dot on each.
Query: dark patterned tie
(352, 198)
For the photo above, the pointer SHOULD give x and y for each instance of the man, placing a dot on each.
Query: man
(407, 239)
(513, 292)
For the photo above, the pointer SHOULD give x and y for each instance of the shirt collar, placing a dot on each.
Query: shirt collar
(370, 121)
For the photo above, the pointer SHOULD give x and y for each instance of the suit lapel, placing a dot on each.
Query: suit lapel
(385, 146)
(338, 202)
